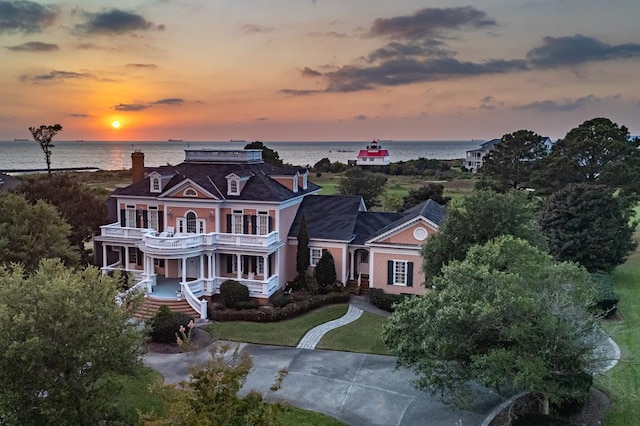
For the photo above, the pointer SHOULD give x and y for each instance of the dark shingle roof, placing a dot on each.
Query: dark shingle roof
(328, 217)
(212, 177)
(428, 209)
(368, 224)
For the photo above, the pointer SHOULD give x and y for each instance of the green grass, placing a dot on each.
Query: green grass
(363, 335)
(297, 416)
(283, 333)
(622, 383)
(136, 394)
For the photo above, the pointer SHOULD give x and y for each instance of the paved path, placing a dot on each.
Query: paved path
(313, 336)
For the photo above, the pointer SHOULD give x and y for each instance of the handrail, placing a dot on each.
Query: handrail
(200, 306)
(122, 295)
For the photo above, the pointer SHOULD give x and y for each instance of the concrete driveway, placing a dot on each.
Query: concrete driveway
(359, 389)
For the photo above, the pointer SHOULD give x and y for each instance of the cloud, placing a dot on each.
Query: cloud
(308, 72)
(34, 46)
(488, 99)
(115, 21)
(25, 16)
(255, 29)
(577, 49)
(332, 34)
(147, 105)
(564, 105)
(130, 107)
(142, 66)
(428, 22)
(56, 77)
(360, 117)
(79, 115)
(296, 92)
(428, 48)
(169, 101)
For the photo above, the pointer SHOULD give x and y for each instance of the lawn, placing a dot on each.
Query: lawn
(283, 333)
(622, 383)
(363, 335)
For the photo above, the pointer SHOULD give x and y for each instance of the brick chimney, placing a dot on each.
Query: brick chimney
(137, 166)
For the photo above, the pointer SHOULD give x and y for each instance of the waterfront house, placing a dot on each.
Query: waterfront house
(474, 158)
(180, 231)
(373, 155)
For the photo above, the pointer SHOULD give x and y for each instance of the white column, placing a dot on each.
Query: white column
(353, 265)
(265, 262)
(126, 258)
(184, 269)
(104, 257)
(202, 266)
(238, 267)
(345, 261)
(218, 219)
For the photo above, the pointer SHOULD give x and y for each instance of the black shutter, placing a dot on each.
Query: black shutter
(123, 217)
(229, 224)
(270, 224)
(245, 223)
(389, 272)
(410, 274)
(160, 221)
(254, 264)
(245, 263)
(138, 218)
(145, 218)
(254, 224)
(229, 263)
(139, 257)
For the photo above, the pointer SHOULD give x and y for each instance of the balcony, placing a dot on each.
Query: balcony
(114, 230)
(246, 240)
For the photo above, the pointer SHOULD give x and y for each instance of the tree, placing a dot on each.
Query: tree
(43, 135)
(476, 219)
(324, 165)
(303, 255)
(325, 271)
(368, 185)
(589, 225)
(430, 191)
(77, 204)
(599, 152)
(64, 338)
(508, 317)
(211, 396)
(31, 232)
(268, 155)
(513, 159)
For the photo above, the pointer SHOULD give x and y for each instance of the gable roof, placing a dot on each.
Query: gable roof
(428, 209)
(328, 217)
(213, 179)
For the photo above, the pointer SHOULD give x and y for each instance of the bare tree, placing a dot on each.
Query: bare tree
(43, 136)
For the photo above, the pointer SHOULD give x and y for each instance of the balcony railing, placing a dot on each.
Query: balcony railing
(247, 240)
(179, 241)
(117, 231)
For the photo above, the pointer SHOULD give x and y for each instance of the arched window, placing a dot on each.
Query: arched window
(191, 223)
(190, 192)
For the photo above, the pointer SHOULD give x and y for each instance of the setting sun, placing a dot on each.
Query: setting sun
(115, 124)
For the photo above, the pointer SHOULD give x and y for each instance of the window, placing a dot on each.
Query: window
(191, 223)
(364, 257)
(155, 184)
(131, 216)
(400, 272)
(190, 192)
(260, 268)
(237, 221)
(263, 223)
(314, 256)
(153, 218)
(133, 256)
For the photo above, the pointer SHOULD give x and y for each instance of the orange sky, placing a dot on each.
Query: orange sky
(316, 70)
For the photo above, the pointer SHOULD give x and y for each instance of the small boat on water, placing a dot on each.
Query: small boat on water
(175, 140)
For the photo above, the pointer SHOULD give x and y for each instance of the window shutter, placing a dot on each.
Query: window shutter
(245, 263)
(254, 264)
(123, 217)
(245, 223)
(139, 257)
(145, 218)
(229, 264)
(270, 224)
(160, 221)
(254, 224)
(410, 274)
(138, 218)
(229, 224)
(389, 272)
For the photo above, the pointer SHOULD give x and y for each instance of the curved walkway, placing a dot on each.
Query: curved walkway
(313, 336)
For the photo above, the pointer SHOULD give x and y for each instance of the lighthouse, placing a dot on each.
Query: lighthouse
(373, 155)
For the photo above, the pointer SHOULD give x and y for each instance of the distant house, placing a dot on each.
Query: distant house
(474, 158)
(373, 155)
(181, 231)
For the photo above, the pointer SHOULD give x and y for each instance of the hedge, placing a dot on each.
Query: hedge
(291, 310)
(385, 301)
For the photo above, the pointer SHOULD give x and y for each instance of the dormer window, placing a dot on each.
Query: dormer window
(233, 186)
(295, 183)
(155, 184)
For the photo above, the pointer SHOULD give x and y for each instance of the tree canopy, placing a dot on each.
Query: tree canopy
(77, 204)
(513, 159)
(587, 224)
(477, 218)
(430, 191)
(31, 232)
(64, 337)
(597, 151)
(43, 135)
(366, 184)
(268, 155)
(508, 317)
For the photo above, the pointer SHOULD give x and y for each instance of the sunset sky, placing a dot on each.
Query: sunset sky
(278, 70)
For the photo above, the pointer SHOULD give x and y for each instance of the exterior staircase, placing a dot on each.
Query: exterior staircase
(151, 305)
(352, 286)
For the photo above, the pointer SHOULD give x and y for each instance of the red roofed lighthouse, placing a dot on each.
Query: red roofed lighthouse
(374, 155)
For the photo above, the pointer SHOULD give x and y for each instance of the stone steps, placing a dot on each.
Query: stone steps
(151, 305)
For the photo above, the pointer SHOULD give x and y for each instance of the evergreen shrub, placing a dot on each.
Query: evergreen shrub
(233, 292)
(166, 323)
(385, 301)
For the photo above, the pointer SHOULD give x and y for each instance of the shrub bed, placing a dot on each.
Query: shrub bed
(166, 323)
(385, 301)
(290, 310)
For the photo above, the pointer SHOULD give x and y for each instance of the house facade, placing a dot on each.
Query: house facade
(474, 159)
(223, 215)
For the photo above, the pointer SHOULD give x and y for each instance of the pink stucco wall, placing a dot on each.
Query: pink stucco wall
(406, 236)
(379, 276)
